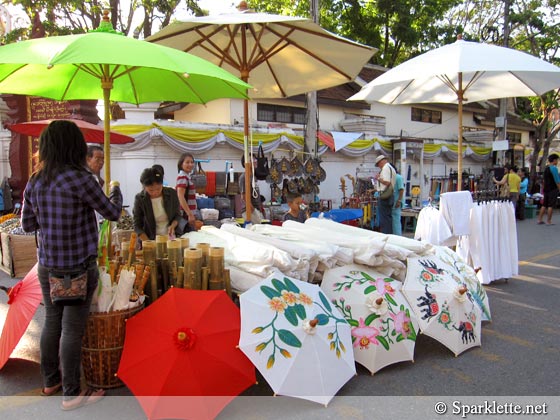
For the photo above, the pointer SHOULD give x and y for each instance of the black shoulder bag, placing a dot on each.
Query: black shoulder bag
(262, 170)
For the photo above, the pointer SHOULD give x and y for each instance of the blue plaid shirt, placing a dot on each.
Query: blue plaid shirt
(63, 212)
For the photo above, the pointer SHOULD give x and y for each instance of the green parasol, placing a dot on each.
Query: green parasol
(126, 69)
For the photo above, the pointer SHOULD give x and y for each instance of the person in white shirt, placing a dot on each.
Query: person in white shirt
(386, 179)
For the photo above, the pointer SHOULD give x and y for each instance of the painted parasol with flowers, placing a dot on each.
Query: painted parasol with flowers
(465, 275)
(445, 308)
(299, 342)
(384, 326)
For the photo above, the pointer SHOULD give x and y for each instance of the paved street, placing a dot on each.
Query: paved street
(519, 356)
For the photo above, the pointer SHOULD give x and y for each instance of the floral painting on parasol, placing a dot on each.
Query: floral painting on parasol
(384, 327)
(299, 342)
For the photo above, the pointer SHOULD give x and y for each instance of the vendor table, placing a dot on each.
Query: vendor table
(409, 219)
(341, 215)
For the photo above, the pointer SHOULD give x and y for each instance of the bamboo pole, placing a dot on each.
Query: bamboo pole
(216, 268)
(161, 246)
(149, 251)
(174, 252)
(192, 263)
(205, 248)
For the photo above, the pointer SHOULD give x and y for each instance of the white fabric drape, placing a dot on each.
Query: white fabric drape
(492, 243)
(455, 207)
(432, 227)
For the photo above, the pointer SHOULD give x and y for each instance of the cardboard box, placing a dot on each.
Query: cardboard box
(19, 253)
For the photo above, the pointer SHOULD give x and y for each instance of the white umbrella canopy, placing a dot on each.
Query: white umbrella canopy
(281, 56)
(459, 73)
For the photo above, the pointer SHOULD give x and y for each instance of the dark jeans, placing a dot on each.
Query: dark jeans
(61, 338)
(385, 215)
(520, 208)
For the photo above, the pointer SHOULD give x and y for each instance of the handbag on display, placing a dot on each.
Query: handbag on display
(198, 178)
(262, 170)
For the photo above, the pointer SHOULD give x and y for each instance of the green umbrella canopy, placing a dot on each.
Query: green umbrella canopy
(110, 66)
(73, 66)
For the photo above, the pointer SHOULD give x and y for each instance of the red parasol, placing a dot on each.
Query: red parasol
(23, 298)
(92, 133)
(180, 357)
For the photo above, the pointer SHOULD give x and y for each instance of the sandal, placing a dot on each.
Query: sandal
(540, 223)
(55, 389)
(87, 397)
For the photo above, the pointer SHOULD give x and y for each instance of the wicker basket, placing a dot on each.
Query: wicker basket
(102, 347)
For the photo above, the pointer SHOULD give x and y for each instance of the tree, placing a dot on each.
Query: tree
(533, 28)
(62, 17)
(400, 29)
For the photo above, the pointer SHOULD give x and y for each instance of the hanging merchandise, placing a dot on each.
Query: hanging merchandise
(199, 178)
(284, 165)
(275, 176)
(296, 167)
(261, 169)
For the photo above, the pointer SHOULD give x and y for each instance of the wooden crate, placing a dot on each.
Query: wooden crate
(19, 253)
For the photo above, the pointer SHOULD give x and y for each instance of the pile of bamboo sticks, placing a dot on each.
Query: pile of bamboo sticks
(164, 263)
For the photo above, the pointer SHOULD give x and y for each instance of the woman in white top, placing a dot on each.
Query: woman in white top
(156, 208)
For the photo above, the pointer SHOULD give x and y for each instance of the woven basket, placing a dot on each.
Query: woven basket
(102, 347)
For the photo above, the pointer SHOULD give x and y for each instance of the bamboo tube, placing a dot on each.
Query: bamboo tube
(188, 280)
(149, 251)
(153, 282)
(184, 244)
(205, 247)
(173, 273)
(161, 246)
(132, 248)
(164, 264)
(103, 259)
(112, 272)
(139, 271)
(205, 272)
(124, 251)
(192, 263)
(227, 282)
(216, 268)
(174, 252)
(145, 278)
(180, 277)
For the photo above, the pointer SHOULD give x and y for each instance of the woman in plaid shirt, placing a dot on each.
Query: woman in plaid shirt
(60, 201)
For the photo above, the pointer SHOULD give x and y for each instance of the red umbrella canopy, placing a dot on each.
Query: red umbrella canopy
(184, 346)
(92, 133)
(23, 298)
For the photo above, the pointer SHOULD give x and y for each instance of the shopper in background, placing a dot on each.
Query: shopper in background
(59, 203)
(520, 208)
(512, 180)
(298, 210)
(386, 179)
(551, 186)
(95, 159)
(156, 208)
(399, 204)
(186, 190)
